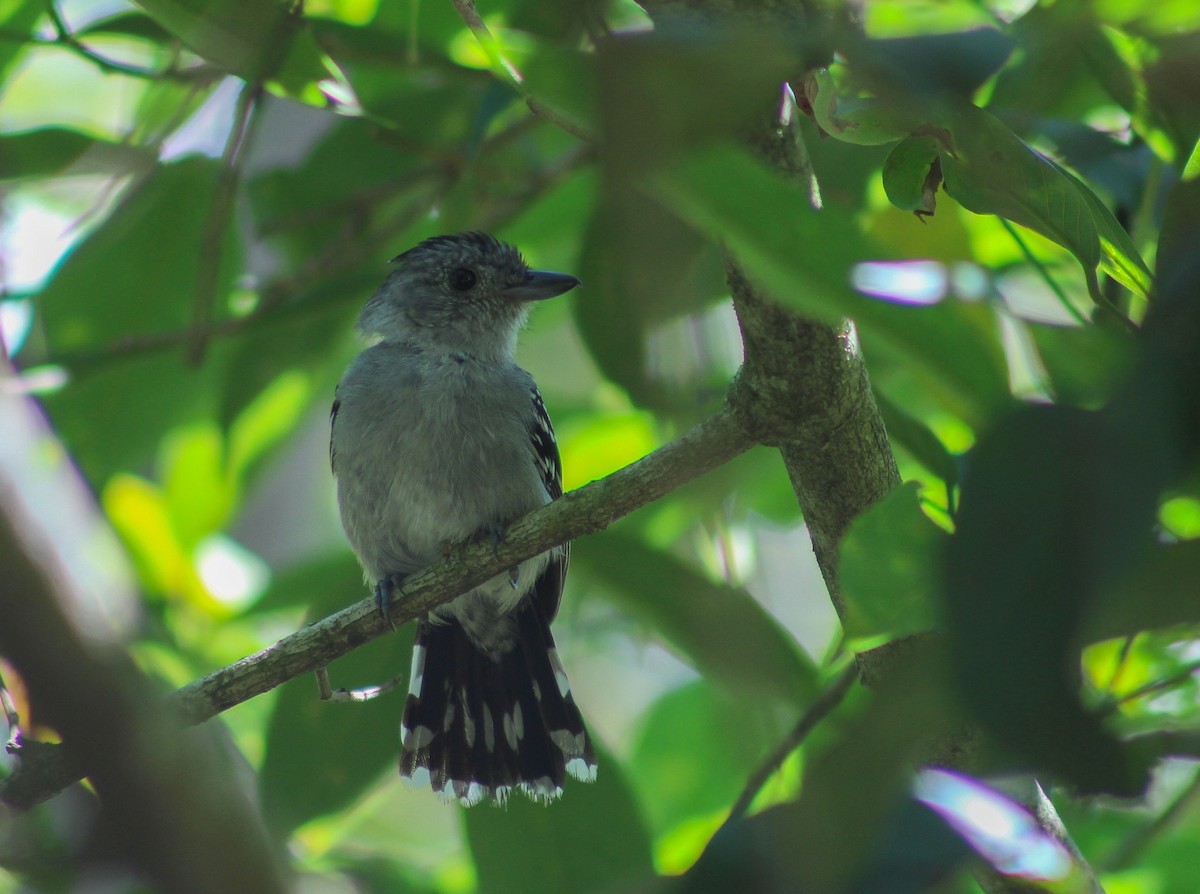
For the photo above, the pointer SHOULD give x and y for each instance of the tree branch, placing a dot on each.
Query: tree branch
(583, 511)
(176, 814)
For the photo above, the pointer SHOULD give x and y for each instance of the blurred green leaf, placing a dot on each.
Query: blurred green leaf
(909, 176)
(721, 630)
(199, 493)
(1050, 513)
(108, 290)
(593, 838)
(695, 751)
(886, 568)
(321, 757)
(915, 437)
(956, 62)
(253, 39)
(128, 23)
(824, 840)
(641, 266)
(1084, 363)
(39, 153)
(17, 19)
(767, 223)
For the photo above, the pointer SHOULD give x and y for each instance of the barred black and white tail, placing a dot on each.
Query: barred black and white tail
(477, 725)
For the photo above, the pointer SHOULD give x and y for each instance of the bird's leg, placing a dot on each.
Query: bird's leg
(384, 590)
(495, 533)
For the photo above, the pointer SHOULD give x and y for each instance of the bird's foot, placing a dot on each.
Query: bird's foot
(496, 534)
(384, 590)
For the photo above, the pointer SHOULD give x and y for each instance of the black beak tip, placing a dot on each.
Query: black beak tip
(541, 284)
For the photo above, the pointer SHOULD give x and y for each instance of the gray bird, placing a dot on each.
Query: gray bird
(439, 437)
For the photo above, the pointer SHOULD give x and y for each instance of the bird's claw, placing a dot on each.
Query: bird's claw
(384, 590)
(496, 534)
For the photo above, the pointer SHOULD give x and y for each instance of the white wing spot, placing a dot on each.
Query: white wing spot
(518, 722)
(581, 769)
(560, 673)
(448, 720)
(510, 733)
(542, 789)
(417, 676)
(417, 738)
(569, 744)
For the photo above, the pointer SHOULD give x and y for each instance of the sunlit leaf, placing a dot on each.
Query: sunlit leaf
(989, 170)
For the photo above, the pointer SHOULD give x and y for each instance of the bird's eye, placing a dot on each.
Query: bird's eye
(462, 279)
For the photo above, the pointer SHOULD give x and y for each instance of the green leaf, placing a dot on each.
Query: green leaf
(1084, 363)
(695, 751)
(16, 19)
(1055, 507)
(767, 223)
(886, 568)
(110, 290)
(909, 177)
(253, 39)
(989, 170)
(39, 153)
(862, 121)
(721, 630)
(320, 756)
(915, 437)
(593, 838)
(107, 289)
(641, 266)
(1158, 592)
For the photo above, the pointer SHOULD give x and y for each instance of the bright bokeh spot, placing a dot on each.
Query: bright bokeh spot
(1181, 516)
(232, 574)
(905, 282)
(604, 445)
(1001, 830)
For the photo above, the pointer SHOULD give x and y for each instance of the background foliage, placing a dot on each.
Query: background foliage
(198, 195)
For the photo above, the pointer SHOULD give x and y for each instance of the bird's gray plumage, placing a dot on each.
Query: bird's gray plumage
(439, 437)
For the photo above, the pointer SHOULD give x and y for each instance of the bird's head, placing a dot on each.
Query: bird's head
(466, 293)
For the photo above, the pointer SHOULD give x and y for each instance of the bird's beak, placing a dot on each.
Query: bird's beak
(540, 285)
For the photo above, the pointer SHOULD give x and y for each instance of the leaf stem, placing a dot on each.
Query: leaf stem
(824, 705)
(1037, 265)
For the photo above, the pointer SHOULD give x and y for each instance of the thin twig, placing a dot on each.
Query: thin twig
(504, 68)
(1037, 265)
(213, 239)
(67, 40)
(1179, 676)
(825, 703)
(353, 245)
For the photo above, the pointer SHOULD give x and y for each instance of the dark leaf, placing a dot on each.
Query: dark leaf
(593, 838)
